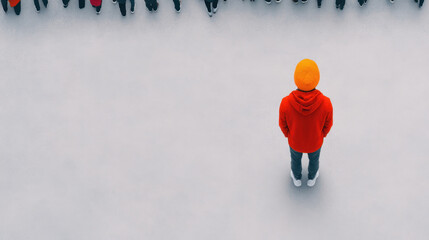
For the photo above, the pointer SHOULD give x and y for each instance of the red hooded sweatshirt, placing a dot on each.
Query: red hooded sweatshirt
(305, 119)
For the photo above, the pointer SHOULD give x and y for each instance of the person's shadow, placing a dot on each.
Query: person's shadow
(310, 198)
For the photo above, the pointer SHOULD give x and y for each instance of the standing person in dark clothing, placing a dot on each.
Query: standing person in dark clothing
(36, 3)
(81, 3)
(16, 4)
(340, 4)
(152, 5)
(177, 5)
(97, 5)
(211, 6)
(122, 6)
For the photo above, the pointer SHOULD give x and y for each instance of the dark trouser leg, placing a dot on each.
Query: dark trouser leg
(319, 3)
(81, 4)
(313, 166)
(45, 3)
(148, 5)
(98, 9)
(37, 5)
(421, 3)
(66, 2)
(208, 5)
(295, 163)
(133, 4)
(123, 9)
(176, 4)
(215, 3)
(17, 8)
(338, 3)
(4, 4)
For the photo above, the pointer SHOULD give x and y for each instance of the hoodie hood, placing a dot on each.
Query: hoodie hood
(306, 102)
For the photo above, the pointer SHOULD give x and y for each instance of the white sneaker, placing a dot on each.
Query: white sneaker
(210, 14)
(296, 182)
(114, 1)
(214, 10)
(278, 1)
(311, 182)
(392, 1)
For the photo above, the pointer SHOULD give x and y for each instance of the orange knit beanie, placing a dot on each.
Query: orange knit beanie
(306, 75)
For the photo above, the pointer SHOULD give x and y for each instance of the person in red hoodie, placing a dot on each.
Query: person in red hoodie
(305, 119)
(16, 4)
(97, 5)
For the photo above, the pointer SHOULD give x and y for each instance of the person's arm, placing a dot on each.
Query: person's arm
(328, 121)
(282, 119)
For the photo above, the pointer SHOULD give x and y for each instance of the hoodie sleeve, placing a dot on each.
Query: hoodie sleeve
(282, 118)
(328, 120)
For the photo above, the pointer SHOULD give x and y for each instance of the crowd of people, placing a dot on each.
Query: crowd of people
(152, 5)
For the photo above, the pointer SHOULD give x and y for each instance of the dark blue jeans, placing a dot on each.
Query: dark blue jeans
(296, 165)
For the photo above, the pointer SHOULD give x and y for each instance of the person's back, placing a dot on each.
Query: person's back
(305, 118)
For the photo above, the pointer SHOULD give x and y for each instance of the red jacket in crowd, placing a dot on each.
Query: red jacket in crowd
(305, 119)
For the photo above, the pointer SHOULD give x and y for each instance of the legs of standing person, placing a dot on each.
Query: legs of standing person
(37, 5)
(148, 5)
(295, 163)
(66, 3)
(319, 3)
(17, 8)
(155, 5)
(81, 4)
(340, 4)
(98, 8)
(123, 9)
(215, 3)
(313, 165)
(4, 4)
(208, 5)
(177, 5)
(133, 5)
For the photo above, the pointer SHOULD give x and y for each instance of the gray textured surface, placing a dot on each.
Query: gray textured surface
(164, 126)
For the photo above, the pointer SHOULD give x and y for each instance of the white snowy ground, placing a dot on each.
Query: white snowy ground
(164, 126)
